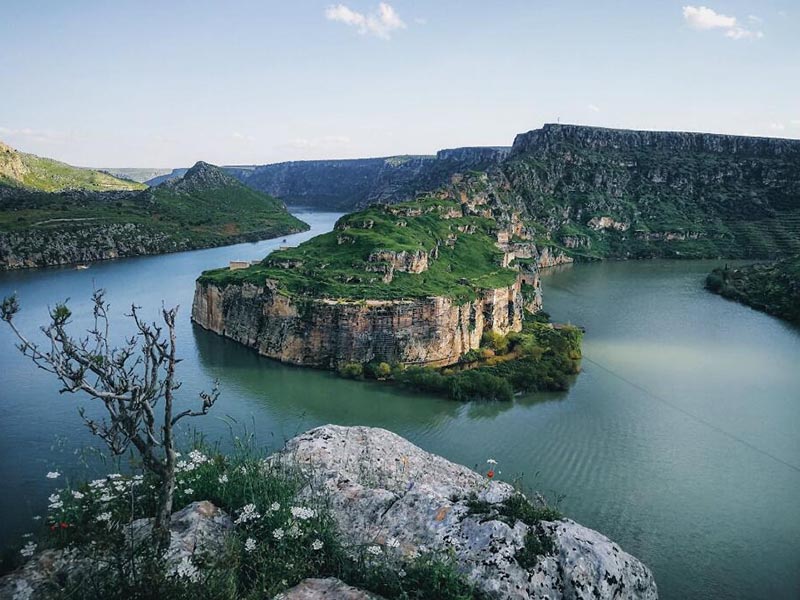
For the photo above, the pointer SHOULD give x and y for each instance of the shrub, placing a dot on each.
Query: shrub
(352, 370)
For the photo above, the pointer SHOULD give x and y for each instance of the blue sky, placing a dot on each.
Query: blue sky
(166, 83)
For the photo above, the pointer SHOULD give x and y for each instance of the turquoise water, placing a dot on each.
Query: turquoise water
(679, 439)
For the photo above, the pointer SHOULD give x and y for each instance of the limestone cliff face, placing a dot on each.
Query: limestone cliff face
(638, 194)
(326, 333)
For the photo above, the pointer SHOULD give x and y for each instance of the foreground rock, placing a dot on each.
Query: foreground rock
(200, 528)
(381, 488)
(325, 589)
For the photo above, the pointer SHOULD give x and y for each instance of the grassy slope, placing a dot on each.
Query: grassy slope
(220, 212)
(44, 174)
(773, 288)
(338, 270)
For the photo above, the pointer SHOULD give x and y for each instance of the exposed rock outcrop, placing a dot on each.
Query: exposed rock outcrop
(325, 589)
(433, 331)
(380, 486)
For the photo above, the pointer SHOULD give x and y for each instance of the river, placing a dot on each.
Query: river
(679, 439)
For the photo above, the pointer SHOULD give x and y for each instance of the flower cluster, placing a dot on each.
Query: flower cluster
(249, 513)
(187, 570)
(28, 549)
(303, 513)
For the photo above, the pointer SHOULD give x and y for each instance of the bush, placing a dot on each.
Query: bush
(352, 370)
(496, 341)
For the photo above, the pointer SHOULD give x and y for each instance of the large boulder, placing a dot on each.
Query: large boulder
(384, 490)
(325, 589)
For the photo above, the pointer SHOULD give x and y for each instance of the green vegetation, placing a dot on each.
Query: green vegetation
(344, 264)
(204, 208)
(278, 540)
(772, 287)
(678, 199)
(29, 171)
(542, 357)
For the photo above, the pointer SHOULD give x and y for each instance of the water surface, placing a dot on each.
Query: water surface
(679, 439)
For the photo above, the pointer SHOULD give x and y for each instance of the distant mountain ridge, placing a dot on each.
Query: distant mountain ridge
(345, 184)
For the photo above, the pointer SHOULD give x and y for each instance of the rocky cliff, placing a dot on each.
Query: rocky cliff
(322, 332)
(619, 193)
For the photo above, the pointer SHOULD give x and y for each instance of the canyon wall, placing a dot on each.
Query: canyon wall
(325, 333)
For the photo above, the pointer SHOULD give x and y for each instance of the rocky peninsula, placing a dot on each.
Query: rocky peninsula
(384, 493)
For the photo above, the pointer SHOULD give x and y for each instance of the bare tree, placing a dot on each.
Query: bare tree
(131, 381)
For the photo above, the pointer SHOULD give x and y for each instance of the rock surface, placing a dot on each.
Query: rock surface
(325, 589)
(381, 488)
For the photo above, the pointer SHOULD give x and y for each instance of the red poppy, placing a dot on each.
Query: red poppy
(490, 474)
(64, 525)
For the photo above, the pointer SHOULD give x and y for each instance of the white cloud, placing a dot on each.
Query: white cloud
(754, 19)
(593, 108)
(380, 23)
(701, 17)
(704, 18)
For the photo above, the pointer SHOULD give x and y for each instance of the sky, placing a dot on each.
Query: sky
(164, 83)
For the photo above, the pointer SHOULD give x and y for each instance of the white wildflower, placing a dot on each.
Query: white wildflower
(249, 544)
(375, 550)
(37, 518)
(223, 479)
(56, 505)
(278, 534)
(77, 495)
(189, 491)
(294, 531)
(28, 550)
(316, 545)
(113, 475)
(393, 542)
(97, 483)
(274, 507)
(186, 570)
(401, 573)
(106, 497)
(53, 498)
(198, 457)
(249, 513)
(53, 475)
(492, 461)
(303, 513)
(104, 516)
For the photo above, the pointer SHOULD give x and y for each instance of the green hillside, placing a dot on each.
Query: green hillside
(29, 171)
(205, 208)
(353, 260)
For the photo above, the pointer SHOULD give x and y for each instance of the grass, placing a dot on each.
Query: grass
(337, 264)
(47, 175)
(278, 540)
